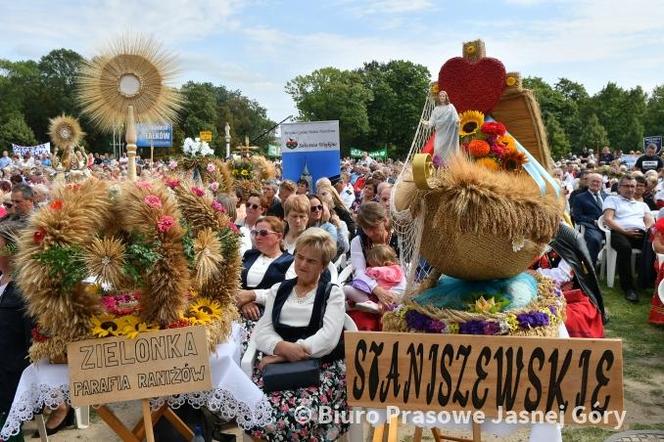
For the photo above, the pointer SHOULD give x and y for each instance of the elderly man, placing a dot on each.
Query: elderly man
(272, 202)
(344, 188)
(628, 220)
(586, 210)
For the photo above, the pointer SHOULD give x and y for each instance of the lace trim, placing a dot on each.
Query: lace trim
(225, 404)
(31, 403)
(218, 400)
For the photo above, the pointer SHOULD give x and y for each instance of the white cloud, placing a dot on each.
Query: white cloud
(372, 7)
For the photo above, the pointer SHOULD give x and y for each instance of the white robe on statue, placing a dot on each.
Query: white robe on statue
(445, 121)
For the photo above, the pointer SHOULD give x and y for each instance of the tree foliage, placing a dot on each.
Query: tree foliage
(34, 91)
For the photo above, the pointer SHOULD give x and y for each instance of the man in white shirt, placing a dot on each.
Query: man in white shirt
(344, 188)
(628, 220)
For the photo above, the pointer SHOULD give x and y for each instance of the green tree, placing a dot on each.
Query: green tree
(558, 142)
(399, 89)
(333, 94)
(654, 116)
(621, 113)
(594, 135)
(15, 130)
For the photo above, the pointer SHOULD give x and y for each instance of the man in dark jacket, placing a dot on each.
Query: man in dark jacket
(586, 210)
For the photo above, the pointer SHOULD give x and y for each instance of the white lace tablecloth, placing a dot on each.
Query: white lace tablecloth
(234, 395)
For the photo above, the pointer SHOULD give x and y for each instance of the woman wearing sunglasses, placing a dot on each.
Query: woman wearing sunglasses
(317, 217)
(254, 211)
(262, 267)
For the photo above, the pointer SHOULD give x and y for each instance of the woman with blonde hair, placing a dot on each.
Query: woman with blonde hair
(303, 320)
(296, 215)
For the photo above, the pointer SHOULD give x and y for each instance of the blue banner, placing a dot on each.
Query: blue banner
(157, 135)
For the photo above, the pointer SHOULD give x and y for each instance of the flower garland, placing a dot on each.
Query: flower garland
(546, 311)
(489, 143)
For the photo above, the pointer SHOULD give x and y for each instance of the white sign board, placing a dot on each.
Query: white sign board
(310, 136)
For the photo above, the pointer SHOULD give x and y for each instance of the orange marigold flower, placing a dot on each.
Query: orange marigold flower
(507, 142)
(479, 148)
(489, 163)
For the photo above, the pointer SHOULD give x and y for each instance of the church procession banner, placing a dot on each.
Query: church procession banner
(33, 150)
(311, 145)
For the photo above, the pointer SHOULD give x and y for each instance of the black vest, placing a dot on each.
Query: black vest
(276, 271)
(292, 334)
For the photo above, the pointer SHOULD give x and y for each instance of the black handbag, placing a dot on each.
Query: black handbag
(294, 375)
(291, 375)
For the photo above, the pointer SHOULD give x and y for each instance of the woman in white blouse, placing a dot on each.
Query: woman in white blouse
(304, 320)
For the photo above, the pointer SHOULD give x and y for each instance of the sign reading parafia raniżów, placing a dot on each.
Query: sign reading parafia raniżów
(310, 136)
(496, 375)
(159, 363)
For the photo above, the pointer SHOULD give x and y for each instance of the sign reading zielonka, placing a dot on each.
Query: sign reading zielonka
(491, 374)
(153, 364)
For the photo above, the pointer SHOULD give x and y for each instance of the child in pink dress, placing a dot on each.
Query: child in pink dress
(383, 267)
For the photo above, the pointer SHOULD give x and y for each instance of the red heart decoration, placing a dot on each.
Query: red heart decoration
(473, 86)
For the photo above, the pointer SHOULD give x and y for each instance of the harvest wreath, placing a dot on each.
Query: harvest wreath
(118, 261)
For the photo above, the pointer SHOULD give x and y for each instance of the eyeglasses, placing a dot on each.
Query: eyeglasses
(253, 206)
(262, 233)
(317, 208)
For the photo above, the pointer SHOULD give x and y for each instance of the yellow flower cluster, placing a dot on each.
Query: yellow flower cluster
(203, 311)
(129, 325)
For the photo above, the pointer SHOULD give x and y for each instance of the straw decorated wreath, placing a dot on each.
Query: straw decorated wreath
(118, 261)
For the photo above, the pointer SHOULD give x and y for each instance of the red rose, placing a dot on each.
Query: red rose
(57, 204)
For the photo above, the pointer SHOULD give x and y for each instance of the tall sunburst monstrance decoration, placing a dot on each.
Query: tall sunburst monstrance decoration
(65, 133)
(131, 81)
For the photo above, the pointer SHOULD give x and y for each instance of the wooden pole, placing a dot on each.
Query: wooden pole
(147, 421)
(130, 137)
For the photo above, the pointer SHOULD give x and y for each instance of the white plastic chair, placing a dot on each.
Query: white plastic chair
(340, 263)
(345, 274)
(610, 256)
(355, 432)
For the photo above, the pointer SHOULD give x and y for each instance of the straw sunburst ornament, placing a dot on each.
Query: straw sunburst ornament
(65, 131)
(136, 72)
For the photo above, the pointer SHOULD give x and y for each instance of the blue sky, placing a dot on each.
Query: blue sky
(257, 46)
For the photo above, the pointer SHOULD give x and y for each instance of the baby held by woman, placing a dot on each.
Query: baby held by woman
(382, 266)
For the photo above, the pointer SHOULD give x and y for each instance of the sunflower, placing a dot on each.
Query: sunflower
(132, 326)
(470, 122)
(205, 308)
(513, 160)
(105, 325)
(507, 142)
(489, 163)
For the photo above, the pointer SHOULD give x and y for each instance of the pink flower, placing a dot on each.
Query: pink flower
(214, 186)
(153, 201)
(211, 167)
(233, 227)
(144, 185)
(172, 182)
(216, 205)
(172, 165)
(165, 223)
(198, 191)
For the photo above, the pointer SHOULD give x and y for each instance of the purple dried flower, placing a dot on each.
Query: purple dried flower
(416, 320)
(491, 328)
(437, 326)
(473, 327)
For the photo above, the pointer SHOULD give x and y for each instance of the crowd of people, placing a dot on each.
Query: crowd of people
(298, 235)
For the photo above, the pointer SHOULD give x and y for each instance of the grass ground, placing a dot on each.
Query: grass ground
(643, 357)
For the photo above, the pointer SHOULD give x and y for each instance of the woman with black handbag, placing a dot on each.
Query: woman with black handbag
(300, 340)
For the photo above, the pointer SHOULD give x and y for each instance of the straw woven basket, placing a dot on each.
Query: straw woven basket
(482, 224)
